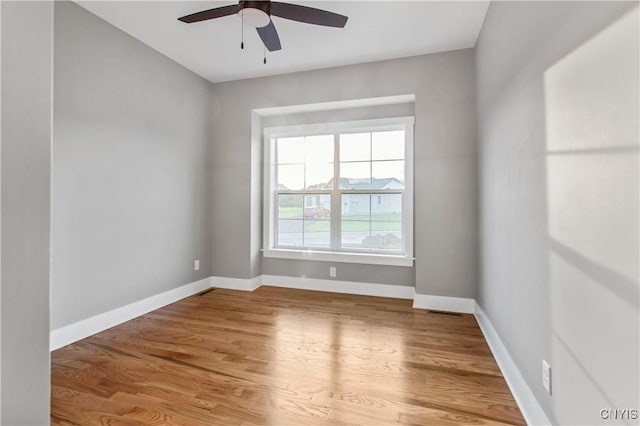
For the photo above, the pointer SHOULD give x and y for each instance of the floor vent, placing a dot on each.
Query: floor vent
(458, 314)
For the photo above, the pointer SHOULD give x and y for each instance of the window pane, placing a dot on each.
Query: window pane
(386, 222)
(319, 176)
(355, 147)
(317, 220)
(317, 206)
(387, 174)
(387, 145)
(386, 207)
(319, 149)
(385, 236)
(291, 150)
(290, 232)
(289, 206)
(355, 225)
(356, 207)
(317, 234)
(355, 175)
(290, 177)
(354, 233)
(319, 162)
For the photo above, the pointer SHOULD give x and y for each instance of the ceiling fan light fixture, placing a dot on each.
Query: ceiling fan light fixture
(253, 17)
(257, 14)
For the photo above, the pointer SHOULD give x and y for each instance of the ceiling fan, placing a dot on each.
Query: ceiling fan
(258, 14)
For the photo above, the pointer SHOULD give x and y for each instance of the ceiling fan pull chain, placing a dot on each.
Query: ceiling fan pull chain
(242, 30)
(264, 61)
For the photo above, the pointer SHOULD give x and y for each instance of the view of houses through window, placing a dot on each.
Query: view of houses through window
(340, 191)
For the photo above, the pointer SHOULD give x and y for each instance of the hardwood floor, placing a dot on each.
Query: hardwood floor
(283, 357)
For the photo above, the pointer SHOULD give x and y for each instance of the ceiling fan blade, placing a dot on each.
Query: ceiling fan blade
(308, 15)
(217, 12)
(269, 36)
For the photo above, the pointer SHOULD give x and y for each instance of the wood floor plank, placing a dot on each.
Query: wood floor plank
(283, 357)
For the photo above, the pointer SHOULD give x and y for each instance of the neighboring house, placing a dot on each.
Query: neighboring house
(358, 204)
(318, 206)
(374, 184)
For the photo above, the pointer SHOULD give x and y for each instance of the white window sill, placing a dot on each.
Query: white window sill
(343, 257)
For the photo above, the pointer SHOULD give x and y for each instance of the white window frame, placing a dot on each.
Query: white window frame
(270, 134)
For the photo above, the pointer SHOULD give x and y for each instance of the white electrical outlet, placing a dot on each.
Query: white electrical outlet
(332, 271)
(546, 376)
(196, 265)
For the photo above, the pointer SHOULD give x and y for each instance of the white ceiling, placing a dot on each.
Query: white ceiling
(376, 30)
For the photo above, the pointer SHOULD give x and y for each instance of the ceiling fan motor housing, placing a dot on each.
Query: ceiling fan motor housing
(255, 13)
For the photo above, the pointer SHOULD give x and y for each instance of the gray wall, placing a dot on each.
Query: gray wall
(131, 176)
(558, 129)
(445, 168)
(27, 65)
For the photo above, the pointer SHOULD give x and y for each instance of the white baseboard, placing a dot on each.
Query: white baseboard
(348, 287)
(531, 410)
(443, 303)
(79, 330)
(248, 284)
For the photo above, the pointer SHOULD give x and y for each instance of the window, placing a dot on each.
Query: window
(340, 191)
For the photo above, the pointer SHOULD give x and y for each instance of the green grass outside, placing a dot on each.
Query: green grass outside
(296, 213)
(381, 222)
(353, 226)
